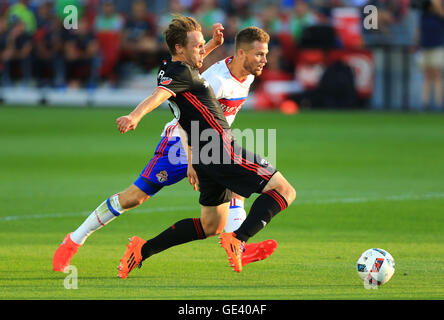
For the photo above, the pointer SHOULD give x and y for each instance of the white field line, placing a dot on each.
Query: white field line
(403, 197)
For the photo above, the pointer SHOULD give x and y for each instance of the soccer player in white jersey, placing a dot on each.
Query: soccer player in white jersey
(231, 91)
(159, 172)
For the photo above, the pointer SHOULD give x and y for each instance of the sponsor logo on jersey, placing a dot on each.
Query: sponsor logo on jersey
(231, 106)
(165, 81)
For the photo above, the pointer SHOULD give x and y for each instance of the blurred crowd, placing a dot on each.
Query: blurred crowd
(114, 39)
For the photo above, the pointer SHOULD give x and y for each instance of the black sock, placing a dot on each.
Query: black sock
(264, 208)
(181, 232)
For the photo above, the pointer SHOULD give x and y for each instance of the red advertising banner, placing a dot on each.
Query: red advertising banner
(311, 65)
(347, 24)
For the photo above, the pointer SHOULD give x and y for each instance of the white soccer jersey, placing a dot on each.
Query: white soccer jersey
(171, 129)
(229, 91)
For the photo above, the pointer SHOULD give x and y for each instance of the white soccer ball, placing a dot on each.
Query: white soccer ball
(375, 267)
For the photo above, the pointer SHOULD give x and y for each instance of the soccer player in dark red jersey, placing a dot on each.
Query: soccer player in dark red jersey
(194, 104)
(230, 79)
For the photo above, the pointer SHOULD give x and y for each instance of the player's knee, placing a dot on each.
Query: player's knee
(139, 200)
(281, 185)
(212, 228)
(291, 194)
(129, 201)
(288, 192)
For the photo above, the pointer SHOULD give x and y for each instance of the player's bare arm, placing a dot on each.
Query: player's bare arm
(217, 40)
(130, 121)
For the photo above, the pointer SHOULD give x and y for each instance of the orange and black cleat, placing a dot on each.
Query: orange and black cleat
(132, 257)
(234, 249)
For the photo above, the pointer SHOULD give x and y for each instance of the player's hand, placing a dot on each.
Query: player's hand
(192, 177)
(218, 36)
(126, 123)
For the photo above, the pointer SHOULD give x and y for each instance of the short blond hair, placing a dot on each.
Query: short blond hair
(177, 31)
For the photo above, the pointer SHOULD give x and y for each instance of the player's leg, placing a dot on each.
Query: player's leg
(214, 218)
(252, 251)
(255, 175)
(276, 196)
(106, 212)
(133, 196)
(236, 214)
(109, 210)
(113, 207)
(157, 173)
(214, 199)
(211, 223)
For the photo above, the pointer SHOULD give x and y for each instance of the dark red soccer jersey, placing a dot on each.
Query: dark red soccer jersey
(192, 98)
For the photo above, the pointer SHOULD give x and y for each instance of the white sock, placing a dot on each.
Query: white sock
(105, 213)
(236, 215)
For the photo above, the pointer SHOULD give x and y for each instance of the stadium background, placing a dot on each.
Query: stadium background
(321, 55)
(368, 167)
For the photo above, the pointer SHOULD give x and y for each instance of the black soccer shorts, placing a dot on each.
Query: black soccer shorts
(247, 173)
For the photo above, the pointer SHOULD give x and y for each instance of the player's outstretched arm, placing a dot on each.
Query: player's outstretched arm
(130, 122)
(217, 40)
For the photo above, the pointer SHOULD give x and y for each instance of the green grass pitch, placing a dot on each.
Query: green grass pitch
(363, 180)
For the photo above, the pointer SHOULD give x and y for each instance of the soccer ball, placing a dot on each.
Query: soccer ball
(375, 267)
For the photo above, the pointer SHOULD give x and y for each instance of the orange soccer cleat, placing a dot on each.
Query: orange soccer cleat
(234, 248)
(258, 251)
(64, 253)
(132, 257)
